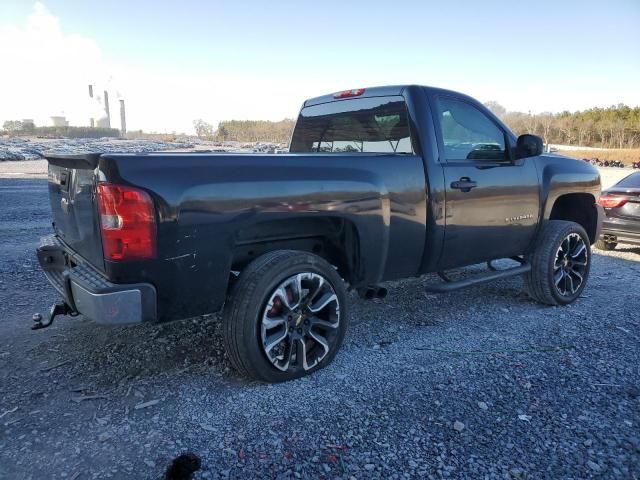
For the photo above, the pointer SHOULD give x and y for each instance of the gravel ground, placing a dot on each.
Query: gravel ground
(479, 384)
(24, 169)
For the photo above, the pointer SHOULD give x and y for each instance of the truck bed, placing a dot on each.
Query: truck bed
(215, 211)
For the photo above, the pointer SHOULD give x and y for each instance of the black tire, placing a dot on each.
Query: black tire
(602, 245)
(541, 281)
(246, 309)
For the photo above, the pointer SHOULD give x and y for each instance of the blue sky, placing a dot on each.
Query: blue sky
(245, 59)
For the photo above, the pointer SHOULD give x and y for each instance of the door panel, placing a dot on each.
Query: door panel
(492, 202)
(496, 219)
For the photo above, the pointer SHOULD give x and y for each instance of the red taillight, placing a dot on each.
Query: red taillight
(127, 222)
(612, 201)
(349, 93)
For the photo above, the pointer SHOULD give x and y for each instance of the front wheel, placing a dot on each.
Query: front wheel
(286, 316)
(560, 263)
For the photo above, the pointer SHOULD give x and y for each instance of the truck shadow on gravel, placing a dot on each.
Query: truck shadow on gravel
(114, 356)
(108, 357)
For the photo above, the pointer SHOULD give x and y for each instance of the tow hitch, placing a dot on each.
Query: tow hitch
(55, 310)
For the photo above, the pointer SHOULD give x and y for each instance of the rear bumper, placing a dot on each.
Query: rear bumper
(88, 292)
(620, 236)
(625, 230)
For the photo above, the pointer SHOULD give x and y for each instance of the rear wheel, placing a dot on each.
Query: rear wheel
(604, 245)
(560, 264)
(286, 316)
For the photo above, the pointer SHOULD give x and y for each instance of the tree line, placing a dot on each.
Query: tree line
(617, 126)
(24, 128)
(246, 130)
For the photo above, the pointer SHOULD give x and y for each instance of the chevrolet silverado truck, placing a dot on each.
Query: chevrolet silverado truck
(379, 184)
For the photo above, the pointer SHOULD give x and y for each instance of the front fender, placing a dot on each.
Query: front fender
(563, 175)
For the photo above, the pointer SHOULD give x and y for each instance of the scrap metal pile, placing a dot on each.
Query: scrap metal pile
(14, 148)
(17, 148)
(608, 163)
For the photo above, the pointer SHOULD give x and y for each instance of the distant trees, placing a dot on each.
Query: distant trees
(222, 134)
(255, 130)
(13, 126)
(28, 127)
(17, 127)
(76, 132)
(203, 129)
(617, 126)
(495, 107)
(158, 137)
(246, 130)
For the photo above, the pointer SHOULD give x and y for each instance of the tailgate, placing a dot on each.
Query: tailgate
(72, 197)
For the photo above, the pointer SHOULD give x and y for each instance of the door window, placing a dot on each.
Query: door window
(467, 133)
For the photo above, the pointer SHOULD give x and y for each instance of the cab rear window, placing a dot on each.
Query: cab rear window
(362, 125)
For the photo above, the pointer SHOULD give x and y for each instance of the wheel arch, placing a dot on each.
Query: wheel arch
(579, 208)
(335, 239)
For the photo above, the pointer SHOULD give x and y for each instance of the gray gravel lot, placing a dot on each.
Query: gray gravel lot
(479, 384)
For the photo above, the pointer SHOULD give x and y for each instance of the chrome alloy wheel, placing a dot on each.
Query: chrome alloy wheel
(570, 265)
(300, 322)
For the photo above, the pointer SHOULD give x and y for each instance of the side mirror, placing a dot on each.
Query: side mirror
(528, 146)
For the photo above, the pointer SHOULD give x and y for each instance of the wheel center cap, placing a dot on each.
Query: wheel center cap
(299, 319)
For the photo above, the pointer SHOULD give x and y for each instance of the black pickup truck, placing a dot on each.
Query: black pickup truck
(380, 184)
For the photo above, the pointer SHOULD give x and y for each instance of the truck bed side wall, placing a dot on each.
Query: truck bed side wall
(206, 203)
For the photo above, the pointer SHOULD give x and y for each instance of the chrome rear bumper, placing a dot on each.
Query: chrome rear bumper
(88, 292)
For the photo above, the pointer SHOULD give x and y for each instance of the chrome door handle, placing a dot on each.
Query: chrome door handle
(465, 184)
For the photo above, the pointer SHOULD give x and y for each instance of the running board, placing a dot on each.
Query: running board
(478, 279)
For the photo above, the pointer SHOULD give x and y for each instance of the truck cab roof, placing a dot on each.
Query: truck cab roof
(384, 91)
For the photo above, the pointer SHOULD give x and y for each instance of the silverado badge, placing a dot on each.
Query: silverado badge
(517, 218)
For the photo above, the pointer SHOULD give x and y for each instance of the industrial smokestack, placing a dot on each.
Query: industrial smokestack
(106, 109)
(91, 121)
(123, 119)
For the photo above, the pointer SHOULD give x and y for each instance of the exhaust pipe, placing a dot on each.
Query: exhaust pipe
(381, 292)
(371, 292)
